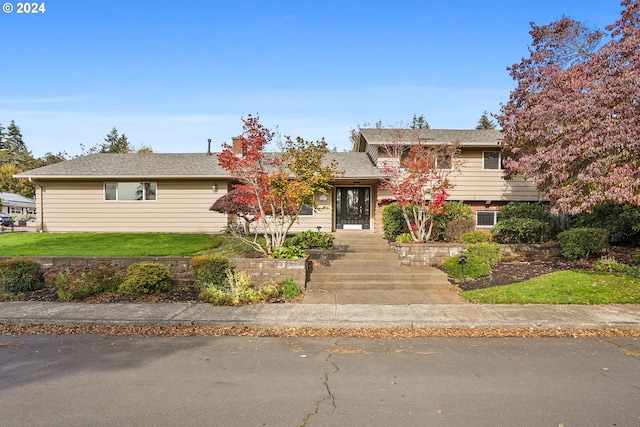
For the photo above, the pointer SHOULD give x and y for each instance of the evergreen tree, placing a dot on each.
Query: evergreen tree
(485, 122)
(419, 122)
(115, 143)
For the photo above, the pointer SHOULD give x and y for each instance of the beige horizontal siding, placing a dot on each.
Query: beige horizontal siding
(181, 206)
(471, 182)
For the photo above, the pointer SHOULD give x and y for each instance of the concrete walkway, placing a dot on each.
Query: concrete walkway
(324, 315)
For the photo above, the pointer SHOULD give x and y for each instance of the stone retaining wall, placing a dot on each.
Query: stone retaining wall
(436, 253)
(262, 270)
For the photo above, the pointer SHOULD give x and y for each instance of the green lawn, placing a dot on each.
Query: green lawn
(564, 287)
(116, 244)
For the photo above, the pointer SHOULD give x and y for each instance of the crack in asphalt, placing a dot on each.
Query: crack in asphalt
(329, 396)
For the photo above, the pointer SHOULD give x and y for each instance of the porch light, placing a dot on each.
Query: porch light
(214, 187)
(318, 227)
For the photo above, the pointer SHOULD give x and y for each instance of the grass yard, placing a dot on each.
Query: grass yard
(117, 244)
(563, 287)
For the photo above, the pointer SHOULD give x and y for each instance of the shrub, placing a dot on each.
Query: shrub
(612, 266)
(210, 270)
(455, 211)
(577, 243)
(289, 288)
(474, 267)
(404, 238)
(80, 282)
(521, 230)
(621, 221)
(240, 291)
(525, 210)
(393, 222)
(636, 258)
(288, 252)
(490, 251)
(145, 278)
(311, 240)
(20, 275)
(457, 228)
(475, 237)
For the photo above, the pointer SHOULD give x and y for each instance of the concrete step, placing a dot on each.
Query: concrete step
(379, 285)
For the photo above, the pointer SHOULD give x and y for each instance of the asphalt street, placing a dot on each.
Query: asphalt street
(97, 380)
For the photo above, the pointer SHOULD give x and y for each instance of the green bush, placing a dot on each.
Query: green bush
(20, 275)
(475, 237)
(404, 238)
(393, 222)
(521, 230)
(288, 252)
(474, 267)
(210, 270)
(457, 228)
(455, 211)
(289, 288)
(80, 282)
(612, 266)
(525, 210)
(621, 221)
(577, 243)
(311, 240)
(240, 291)
(490, 251)
(145, 278)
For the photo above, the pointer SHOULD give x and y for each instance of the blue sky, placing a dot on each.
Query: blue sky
(171, 74)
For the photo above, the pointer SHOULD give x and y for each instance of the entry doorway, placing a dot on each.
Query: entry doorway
(353, 208)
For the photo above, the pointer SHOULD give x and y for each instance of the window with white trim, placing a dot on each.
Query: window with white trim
(130, 191)
(306, 210)
(486, 219)
(492, 160)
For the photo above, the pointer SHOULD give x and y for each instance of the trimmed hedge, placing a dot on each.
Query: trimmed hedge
(577, 243)
(457, 228)
(393, 222)
(475, 237)
(146, 278)
(521, 230)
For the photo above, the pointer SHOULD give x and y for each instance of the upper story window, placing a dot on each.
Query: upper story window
(306, 210)
(137, 191)
(492, 160)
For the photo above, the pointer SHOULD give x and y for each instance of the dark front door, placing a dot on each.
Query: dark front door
(353, 208)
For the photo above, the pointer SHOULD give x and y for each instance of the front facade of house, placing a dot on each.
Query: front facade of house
(173, 192)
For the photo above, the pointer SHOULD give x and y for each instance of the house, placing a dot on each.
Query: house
(478, 180)
(17, 205)
(145, 192)
(172, 193)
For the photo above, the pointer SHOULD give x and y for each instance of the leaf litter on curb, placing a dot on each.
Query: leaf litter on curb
(375, 333)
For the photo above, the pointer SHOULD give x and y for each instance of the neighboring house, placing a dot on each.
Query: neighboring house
(173, 192)
(479, 182)
(17, 205)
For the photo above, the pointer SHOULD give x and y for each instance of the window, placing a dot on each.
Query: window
(306, 210)
(492, 160)
(443, 161)
(486, 219)
(141, 191)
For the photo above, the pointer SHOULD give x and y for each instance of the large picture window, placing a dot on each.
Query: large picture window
(135, 191)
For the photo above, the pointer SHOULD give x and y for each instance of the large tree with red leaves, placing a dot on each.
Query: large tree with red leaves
(572, 125)
(274, 187)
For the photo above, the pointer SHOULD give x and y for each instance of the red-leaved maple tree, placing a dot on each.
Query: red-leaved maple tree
(417, 177)
(572, 125)
(274, 187)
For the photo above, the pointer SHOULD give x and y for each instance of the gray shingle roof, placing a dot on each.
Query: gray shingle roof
(163, 165)
(466, 137)
(11, 199)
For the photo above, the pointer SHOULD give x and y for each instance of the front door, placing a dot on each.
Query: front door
(353, 208)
